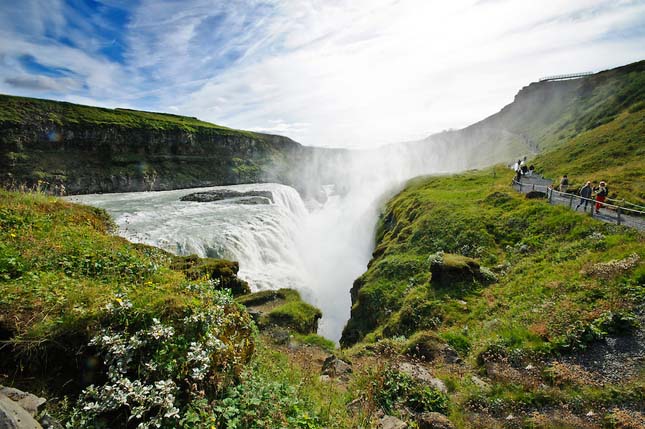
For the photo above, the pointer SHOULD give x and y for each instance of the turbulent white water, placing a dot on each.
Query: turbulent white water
(277, 245)
(318, 249)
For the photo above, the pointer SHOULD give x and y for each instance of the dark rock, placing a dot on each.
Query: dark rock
(228, 194)
(223, 271)
(433, 421)
(455, 271)
(535, 195)
(334, 367)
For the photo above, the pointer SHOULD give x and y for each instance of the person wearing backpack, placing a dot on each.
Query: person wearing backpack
(585, 195)
(564, 184)
(601, 194)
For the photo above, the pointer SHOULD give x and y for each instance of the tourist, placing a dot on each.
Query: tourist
(585, 195)
(601, 194)
(531, 170)
(564, 184)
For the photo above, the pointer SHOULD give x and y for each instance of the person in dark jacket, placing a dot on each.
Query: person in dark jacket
(585, 195)
(564, 184)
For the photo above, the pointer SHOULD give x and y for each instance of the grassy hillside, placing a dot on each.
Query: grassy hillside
(23, 110)
(547, 115)
(117, 334)
(614, 152)
(506, 282)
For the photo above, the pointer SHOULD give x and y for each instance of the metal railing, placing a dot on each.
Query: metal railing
(624, 216)
(565, 76)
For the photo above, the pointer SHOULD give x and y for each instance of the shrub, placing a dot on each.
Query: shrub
(392, 389)
(156, 369)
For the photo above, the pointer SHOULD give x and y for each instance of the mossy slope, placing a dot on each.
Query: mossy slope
(61, 273)
(532, 285)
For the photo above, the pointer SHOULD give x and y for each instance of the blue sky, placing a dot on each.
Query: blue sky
(353, 73)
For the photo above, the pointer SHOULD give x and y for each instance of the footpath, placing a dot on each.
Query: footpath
(611, 213)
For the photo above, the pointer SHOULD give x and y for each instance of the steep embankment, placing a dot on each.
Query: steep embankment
(544, 116)
(508, 283)
(90, 149)
(124, 335)
(614, 152)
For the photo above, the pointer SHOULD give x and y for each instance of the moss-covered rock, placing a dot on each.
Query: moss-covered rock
(282, 308)
(456, 272)
(297, 315)
(222, 271)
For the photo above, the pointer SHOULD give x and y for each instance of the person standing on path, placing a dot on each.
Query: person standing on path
(601, 194)
(585, 195)
(564, 184)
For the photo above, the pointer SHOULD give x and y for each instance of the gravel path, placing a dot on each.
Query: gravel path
(610, 215)
(616, 359)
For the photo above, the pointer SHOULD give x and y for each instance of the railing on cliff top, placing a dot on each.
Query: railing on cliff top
(621, 215)
(565, 76)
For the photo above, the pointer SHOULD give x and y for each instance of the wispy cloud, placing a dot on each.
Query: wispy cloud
(324, 72)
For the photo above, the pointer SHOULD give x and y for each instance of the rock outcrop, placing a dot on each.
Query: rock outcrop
(65, 148)
(231, 196)
(18, 409)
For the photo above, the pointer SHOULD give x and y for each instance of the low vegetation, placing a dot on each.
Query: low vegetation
(465, 268)
(21, 110)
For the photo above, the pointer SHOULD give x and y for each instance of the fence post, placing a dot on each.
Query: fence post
(618, 218)
(533, 187)
(520, 186)
(571, 201)
(550, 192)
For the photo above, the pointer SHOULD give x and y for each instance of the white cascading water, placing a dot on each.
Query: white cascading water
(318, 249)
(261, 237)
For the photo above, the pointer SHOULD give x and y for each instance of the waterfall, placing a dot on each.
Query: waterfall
(263, 238)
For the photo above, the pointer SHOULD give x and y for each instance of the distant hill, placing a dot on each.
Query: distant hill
(545, 116)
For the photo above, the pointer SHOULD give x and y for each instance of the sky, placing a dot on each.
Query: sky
(335, 73)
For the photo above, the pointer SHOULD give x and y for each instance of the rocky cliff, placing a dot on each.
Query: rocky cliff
(63, 147)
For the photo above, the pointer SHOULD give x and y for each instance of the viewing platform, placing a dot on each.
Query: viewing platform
(565, 76)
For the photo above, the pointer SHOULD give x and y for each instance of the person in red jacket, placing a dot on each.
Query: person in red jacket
(601, 194)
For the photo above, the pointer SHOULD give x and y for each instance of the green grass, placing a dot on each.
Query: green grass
(64, 279)
(613, 152)
(531, 285)
(465, 262)
(20, 110)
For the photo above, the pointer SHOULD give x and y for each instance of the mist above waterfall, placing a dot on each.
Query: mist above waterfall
(318, 245)
(338, 236)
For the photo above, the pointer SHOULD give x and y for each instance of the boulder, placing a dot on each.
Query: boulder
(390, 422)
(229, 194)
(422, 375)
(535, 195)
(334, 367)
(13, 416)
(433, 421)
(26, 400)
